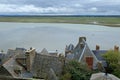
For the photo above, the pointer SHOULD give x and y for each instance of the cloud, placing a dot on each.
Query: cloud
(79, 7)
(30, 8)
(93, 9)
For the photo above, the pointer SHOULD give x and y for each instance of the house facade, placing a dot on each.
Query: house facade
(82, 53)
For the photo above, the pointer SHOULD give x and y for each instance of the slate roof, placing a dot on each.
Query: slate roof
(22, 49)
(81, 49)
(44, 52)
(21, 56)
(9, 66)
(70, 56)
(70, 47)
(78, 51)
(99, 53)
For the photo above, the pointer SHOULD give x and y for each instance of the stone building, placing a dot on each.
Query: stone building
(12, 52)
(68, 50)
(18, 65)
(44, 61)
(82, 53)
(98, 53)
(29, 63)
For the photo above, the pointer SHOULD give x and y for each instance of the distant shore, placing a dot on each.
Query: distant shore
(112, 21)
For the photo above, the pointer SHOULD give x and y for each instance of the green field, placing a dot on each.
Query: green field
(106, 21)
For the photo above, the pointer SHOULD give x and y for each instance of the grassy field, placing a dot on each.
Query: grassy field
(106, 21)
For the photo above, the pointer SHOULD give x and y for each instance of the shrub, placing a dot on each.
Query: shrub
(113, 58)
(73, 70)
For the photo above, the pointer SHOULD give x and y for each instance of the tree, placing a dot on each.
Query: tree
(73, 70)
(113, 59)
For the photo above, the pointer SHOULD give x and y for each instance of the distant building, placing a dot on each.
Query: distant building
(44, 61)
(18, 65)
(82, 53)
(98, 53)
(53, 53)
(22, 63)
(68, 50)
(12, 52)
(50, 53)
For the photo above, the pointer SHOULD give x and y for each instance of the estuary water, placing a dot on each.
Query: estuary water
(55, 36)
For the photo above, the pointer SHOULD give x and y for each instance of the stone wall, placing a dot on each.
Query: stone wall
(52, 75)
(30, 55)
(43, 63)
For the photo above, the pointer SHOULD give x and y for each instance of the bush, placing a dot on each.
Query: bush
(113, 58)
(73, 70)
(66, 76)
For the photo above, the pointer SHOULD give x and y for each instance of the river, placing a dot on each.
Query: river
(55, 36)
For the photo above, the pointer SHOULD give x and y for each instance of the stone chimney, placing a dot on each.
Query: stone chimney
(81, 39)
(97, 47)
(30, 55)
(116, 48)
(82, 45)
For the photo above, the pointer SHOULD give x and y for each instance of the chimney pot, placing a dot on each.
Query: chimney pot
(30, 48)
(116, 48)
(97, 47)
(81, 39)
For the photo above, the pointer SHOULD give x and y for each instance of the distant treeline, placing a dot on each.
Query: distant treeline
(105, 20)
(59, 15)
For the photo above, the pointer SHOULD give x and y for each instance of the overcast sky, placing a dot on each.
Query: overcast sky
(74, 7)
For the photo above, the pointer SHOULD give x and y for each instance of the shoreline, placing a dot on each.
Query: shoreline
(107, 25)
(103, 21)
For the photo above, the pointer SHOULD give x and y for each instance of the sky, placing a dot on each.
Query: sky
(59, 7)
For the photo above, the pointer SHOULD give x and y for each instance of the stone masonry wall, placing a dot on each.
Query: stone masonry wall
(43, 63)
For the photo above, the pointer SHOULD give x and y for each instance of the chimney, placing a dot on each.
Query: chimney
(116, 48)
(82, 45)
(30, 48)
(97, 47)
(30, 55)
(81, 39)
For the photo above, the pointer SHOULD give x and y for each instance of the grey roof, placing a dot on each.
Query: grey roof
(99, 53)
(70, 47)
(22, 49)
(27, 75)
(9, 66)
(21, 56)
(12, 65)
(81, 50)
(44, 52)
(77, 51)
(70, 56)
